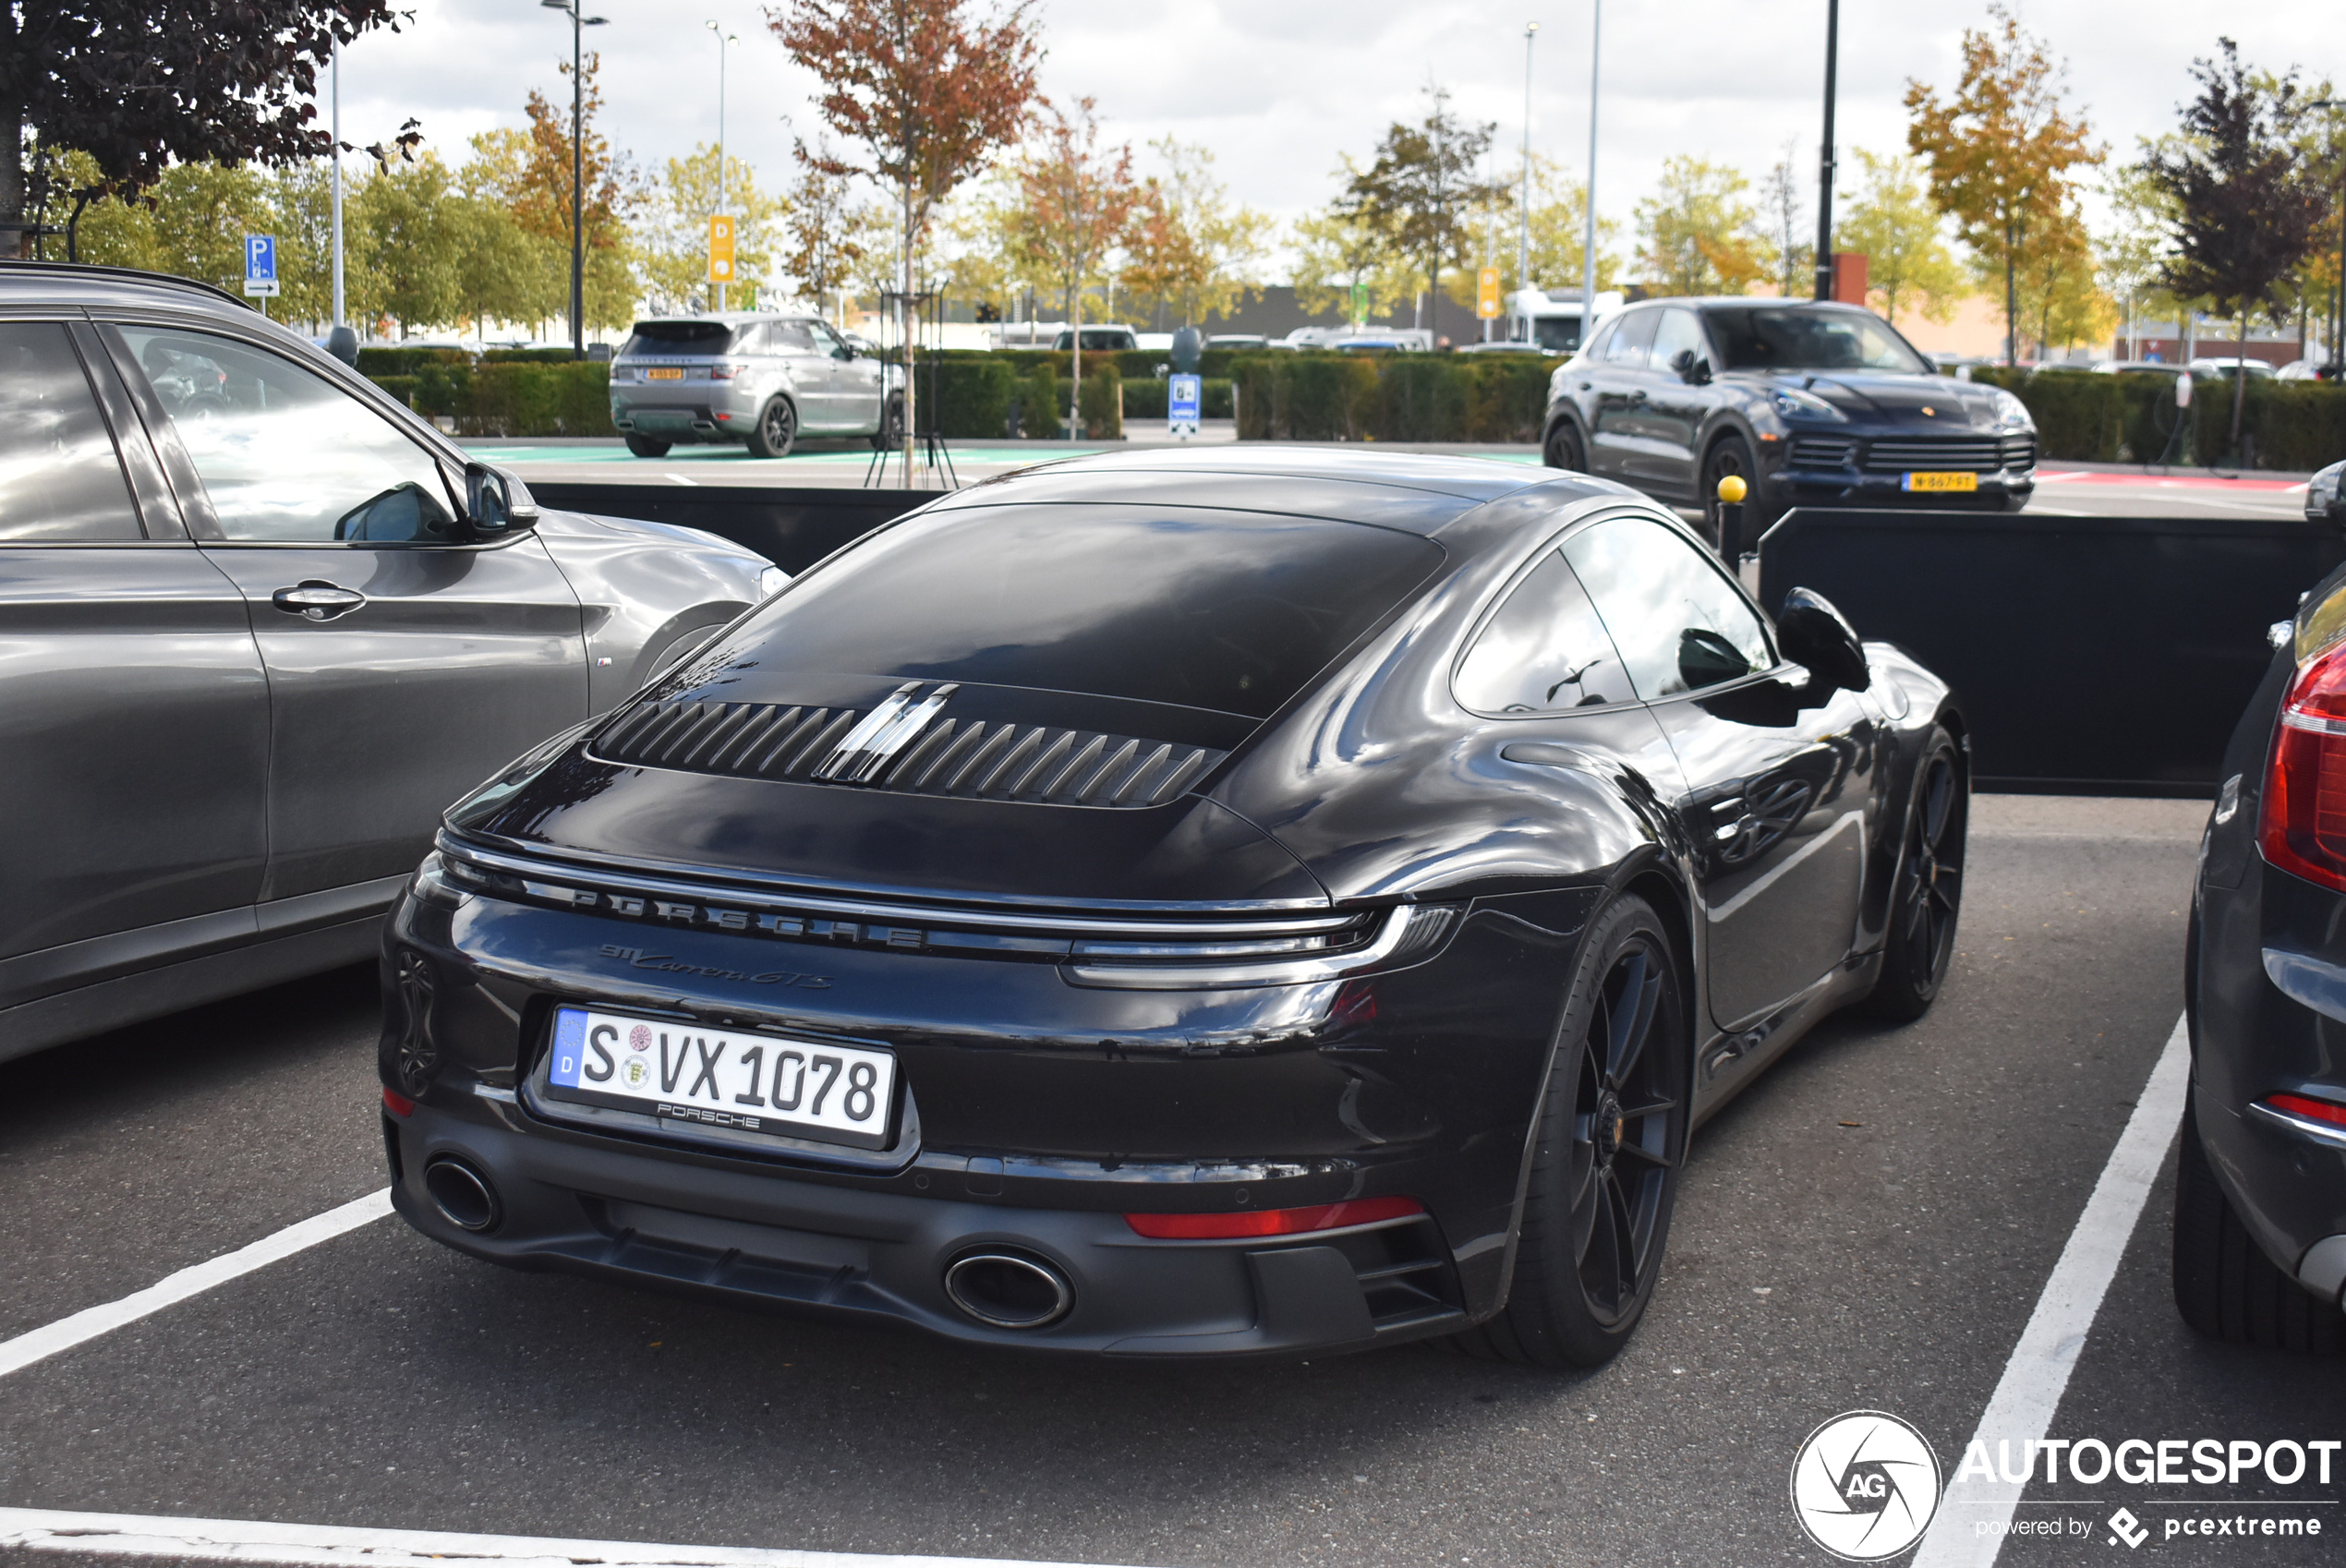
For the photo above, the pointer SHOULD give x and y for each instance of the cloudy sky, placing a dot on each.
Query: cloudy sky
(1278, 89)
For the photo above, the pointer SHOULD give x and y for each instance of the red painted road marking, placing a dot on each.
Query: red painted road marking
(2165, 481)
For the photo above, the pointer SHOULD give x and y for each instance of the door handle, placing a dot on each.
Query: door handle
(317, 599)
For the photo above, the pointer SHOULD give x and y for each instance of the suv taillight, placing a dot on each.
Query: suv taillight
(2302, 826)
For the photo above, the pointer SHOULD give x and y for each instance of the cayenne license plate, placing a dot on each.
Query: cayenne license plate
(1942, 482)
(663, 373)
(692, 1074)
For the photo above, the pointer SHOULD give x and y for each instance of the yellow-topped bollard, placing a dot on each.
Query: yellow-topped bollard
(1732, 488)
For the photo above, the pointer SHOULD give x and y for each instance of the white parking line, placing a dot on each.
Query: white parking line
(2022, 1405)
(133, 1535)
(65, 1333)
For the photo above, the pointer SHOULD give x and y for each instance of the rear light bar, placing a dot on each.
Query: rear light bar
(398, 1104)
(2302, 823)
(2316, 1121)
(2317, 1110)
(1273, 1222)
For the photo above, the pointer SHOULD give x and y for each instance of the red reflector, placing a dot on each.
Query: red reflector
(398, 1104)
(2311, 1110)
(1273, 1222)
(2302, 824)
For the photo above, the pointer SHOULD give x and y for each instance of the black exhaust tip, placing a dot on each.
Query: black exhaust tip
(1008, 1290)
(461, 1195)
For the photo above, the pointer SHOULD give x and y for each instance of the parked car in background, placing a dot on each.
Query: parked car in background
(2260, 1236)
(259, 625)
(2138, 368)
(1555, 319)
(1238, 341)
(2302, 371)
(1502, 346)
(1099, 340)
(2324, 501)
(2230, 366)
(1324, 938)
(1810, 404)
(757, 379)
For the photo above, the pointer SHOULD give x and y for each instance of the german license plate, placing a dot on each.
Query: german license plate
(663, 373)
(1942, 482)
(695, 1075)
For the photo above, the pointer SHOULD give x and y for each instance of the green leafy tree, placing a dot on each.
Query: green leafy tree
(830, 229)
(1791, 260)
(1340, 260)
(1999, 150)
(2246, 214)
(1557, 204)
(407, 216)
(672, 231)
(1890, 218)
(1422, 191)
(1188, 250)
(1697, 233)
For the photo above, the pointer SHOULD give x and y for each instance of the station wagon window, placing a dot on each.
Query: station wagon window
(1680, 625)
(1544, 651)
(285, 455)
(60, 478)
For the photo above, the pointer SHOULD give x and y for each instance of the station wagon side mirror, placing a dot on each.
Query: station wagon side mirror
(496, 503)
(1810, 632)
(1691, 367)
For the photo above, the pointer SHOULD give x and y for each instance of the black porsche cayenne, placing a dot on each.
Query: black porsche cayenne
(1176, 905)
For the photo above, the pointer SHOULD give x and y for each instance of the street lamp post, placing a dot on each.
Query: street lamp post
(337, 157)
(578, 24)
(1825, 161)
(1523, 248)
(2337, 355)
(724, 41)
(1589, 238)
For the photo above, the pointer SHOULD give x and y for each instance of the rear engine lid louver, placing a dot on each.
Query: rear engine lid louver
(905, 743)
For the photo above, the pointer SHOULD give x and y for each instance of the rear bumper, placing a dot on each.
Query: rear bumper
(773, 1239)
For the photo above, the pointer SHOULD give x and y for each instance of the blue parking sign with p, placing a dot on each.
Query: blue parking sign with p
(261, 258)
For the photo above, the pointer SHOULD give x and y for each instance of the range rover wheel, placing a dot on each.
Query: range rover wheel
(2225, 1287)
(776, 431)
(643, 446)
(1929, 892)
(891, 434)
(1604, 1169)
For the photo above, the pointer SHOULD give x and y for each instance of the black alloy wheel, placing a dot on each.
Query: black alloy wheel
(776, 431)
(643, 446)
(1731, 456)
(2225, 1287)
(1928, 895)
(1563, 449)
(1604, 1169)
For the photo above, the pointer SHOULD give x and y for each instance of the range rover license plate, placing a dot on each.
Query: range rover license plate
(1942, 482)
(663, 373)
(692, 1074)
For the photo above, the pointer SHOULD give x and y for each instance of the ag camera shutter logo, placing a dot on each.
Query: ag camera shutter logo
(1864, 1486)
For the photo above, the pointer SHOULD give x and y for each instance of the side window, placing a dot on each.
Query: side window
(1602, 344)
(60, 478)
(1679, 333)
(789, 337)
(825, 341)
(284, 455)
(1630, 339)
(1543, 652)
(1680, 625)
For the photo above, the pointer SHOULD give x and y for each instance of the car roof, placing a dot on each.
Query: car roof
(82, 282)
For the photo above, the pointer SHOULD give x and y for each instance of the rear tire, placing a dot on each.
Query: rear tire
(776, 431)
(1612, 1137)
(1928, 895)
(1563, 449)
(891, 434)
(643, 446)
(2225, 1287)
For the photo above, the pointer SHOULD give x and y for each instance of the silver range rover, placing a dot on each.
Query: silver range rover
(763, 380)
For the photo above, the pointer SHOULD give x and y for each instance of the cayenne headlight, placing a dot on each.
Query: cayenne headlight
(1791, 402)
(771, 581)
(2012, 414)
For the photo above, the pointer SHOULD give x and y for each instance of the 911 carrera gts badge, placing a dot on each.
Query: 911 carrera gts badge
(886, 731)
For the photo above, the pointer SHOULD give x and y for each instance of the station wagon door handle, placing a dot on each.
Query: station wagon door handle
(317, 601)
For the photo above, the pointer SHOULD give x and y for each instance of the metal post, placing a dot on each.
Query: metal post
(722, 40)
(1523, 251)
(1825, 162)
(337, 157)
(577, 192)
(1589, 241)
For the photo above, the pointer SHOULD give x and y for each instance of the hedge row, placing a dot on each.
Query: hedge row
(1402, 397)
(2083, 416)
(504, 398)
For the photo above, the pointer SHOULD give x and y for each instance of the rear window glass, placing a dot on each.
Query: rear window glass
(1219, 610)
(683, 337)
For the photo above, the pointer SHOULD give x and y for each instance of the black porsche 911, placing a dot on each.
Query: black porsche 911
(1173, 905)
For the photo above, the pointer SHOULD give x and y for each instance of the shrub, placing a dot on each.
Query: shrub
(401, 387)
(525, 399)
(961, 396)
(1102, 405)
(396, 361)
(1042, 402)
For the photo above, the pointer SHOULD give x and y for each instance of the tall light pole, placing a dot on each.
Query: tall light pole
(724, 40)
(2338, 322)
(578, 24)
(337, 156)
(1589, 238)
(1523, 247)
(1825, 162)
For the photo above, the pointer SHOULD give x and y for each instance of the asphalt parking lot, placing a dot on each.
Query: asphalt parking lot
(1871, 1226)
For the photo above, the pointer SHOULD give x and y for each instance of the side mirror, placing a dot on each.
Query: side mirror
(1811, 631)
(844, 350)
(1691, 366)
(496, 503)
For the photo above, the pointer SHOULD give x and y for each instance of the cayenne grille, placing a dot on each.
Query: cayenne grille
(1814, 452)
(2020, 451)
(1981, 454)
(975, 760)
